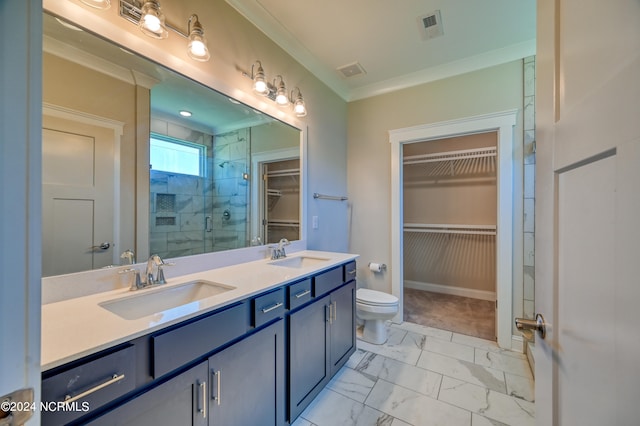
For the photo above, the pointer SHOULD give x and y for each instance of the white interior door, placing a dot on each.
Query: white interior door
(78, 176)
(20, 98)
(587, 210)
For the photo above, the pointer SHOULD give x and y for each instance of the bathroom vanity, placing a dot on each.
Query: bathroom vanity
(250, 355)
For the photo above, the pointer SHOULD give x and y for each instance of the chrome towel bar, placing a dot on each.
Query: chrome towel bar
(329, 197)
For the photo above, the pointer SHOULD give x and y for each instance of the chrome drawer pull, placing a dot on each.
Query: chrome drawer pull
(271, 308)
(302, 294)
(203, 409)
(216, 397)
(351, 272)
(68, 399)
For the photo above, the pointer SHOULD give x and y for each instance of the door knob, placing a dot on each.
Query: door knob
(537, 324)
(102, 246)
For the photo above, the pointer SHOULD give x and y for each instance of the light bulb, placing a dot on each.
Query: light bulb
(152, 23)
(197, 47)
(299, 108)
(281, 94)
(260, 86)
(281, 99)
(152, 20)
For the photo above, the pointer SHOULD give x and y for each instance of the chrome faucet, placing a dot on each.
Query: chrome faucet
(157, 262)
(277, 252)
(135, 282)
(154, 262)
(129, 255)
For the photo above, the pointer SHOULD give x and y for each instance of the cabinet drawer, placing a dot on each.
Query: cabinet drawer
(268, 307)
(181, 345)
(299, 293)
(350, 271)
(89, 385)
(327, 281)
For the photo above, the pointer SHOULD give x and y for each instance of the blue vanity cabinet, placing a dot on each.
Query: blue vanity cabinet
(321, 337)
(248, 380)
(343, 326)
(309, 365)
(243, 384)
(176, 346)
(89, 383)
(182, 400)
(258, 361)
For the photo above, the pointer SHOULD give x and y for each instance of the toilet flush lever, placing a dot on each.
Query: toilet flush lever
(538, 325)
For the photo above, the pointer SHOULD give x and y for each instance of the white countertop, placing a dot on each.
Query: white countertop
(77, 327)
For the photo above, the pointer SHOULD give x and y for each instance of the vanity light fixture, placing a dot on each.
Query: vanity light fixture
(299, 108)
(281, 92)
(276, 91)
(148, 16)
(98, 4)
(260, 85)
(197, 48)
(185, 113)
(152, 20)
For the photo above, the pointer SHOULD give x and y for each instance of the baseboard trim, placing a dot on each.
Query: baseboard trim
(517, 344)
(531, 356)
(455, 291)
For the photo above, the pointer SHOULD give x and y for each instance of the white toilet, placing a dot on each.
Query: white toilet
(374, 308)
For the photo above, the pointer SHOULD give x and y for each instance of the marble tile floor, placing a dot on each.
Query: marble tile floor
(464, 315)
(423, 376)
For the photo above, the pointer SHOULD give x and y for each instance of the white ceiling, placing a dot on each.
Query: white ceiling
(384, 37)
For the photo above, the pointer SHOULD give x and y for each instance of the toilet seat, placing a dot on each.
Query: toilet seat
(375, 298)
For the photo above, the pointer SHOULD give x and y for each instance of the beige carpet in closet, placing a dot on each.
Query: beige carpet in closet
(473, 317)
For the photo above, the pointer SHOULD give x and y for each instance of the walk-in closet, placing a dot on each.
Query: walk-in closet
(449, 203)
(281, 200)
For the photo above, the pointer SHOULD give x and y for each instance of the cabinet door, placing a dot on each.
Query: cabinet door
(248, 380)
(308, 358)
(343, 325)
(178, 401)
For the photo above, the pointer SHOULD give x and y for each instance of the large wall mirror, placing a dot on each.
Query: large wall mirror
(124, 170)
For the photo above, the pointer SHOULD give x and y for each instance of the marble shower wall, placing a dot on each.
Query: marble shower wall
(230, 196)
(181, 205)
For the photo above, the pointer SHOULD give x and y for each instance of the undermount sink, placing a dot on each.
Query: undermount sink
(298, 261)
(149, 302)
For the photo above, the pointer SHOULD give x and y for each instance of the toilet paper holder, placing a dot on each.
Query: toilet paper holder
(377, 267)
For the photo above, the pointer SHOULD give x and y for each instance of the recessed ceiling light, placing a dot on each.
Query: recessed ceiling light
(185, 113)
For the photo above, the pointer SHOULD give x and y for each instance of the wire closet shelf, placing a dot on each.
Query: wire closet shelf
(477, 161)
(436, 228)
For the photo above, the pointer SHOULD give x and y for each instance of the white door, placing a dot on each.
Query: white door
(78, 196)
(20, 99)
(588, 212)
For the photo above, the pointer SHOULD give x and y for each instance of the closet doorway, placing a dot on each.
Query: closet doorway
(502, 125)
(280, 200)
(449, 262)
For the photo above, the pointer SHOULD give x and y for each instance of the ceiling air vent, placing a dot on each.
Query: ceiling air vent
(430, 25)
(351, 70)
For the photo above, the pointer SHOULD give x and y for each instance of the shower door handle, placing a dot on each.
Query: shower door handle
(208, 224)
(537, 324)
